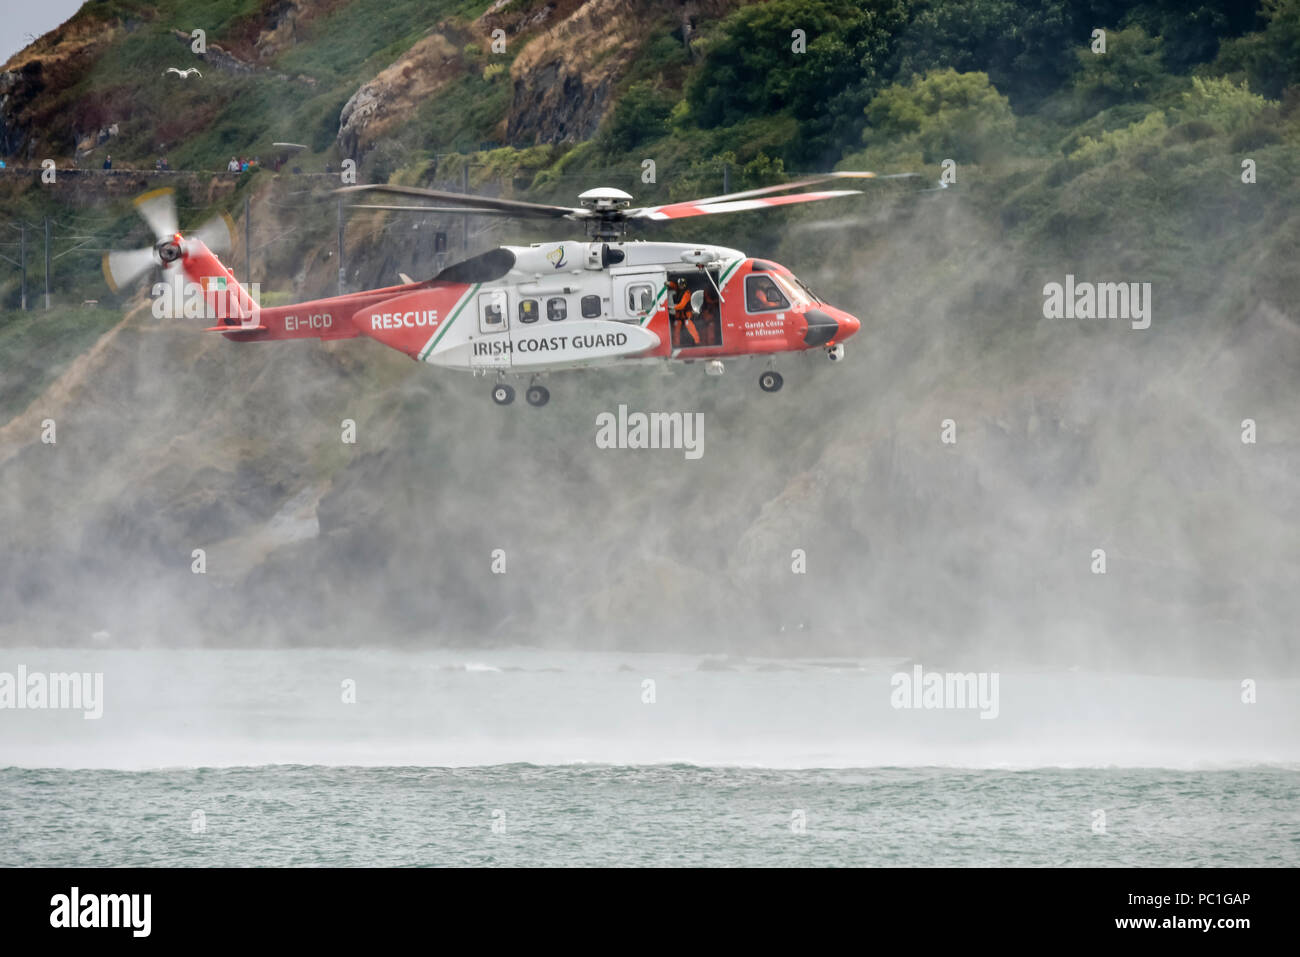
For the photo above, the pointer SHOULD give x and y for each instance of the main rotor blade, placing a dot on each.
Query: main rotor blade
(158, 208)
(670, 208)
(123, 268)
(699, 208)
(515, 206)
(459, 210)
(218, 234)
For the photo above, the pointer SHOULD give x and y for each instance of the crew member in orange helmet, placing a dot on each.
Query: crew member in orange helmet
(683, 324)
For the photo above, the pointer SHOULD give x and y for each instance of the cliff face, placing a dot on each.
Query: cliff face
(282, 26)
(564, 75)
(17, 89)
(58, 99)
(564, 61)
(35, 121)
(396, 93)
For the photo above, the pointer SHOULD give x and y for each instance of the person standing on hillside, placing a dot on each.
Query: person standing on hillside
(108, 162)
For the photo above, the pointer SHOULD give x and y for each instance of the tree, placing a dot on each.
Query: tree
(1270, 58)
(1023, 45)
(751, 68)
(943, 115)
(1131, 70)
(640, 115)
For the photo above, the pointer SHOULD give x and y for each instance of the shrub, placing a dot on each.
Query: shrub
(1107, 146)
(1219, 101)
(944, 114)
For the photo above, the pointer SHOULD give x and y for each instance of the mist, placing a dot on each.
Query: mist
(1070, 436)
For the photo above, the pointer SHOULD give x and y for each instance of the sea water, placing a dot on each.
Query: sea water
(532, 757)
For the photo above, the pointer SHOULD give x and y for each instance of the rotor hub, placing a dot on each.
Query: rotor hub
(605, 199)
(610, 207)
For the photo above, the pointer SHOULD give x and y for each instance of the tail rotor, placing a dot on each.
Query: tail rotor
(157, 208)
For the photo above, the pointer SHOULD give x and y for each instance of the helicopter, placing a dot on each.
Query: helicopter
(530, 310)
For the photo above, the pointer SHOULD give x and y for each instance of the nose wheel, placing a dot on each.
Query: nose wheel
(770, 381)
(537, 395)
(503, 394)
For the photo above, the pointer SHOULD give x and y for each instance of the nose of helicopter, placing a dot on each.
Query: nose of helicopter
(826, 324)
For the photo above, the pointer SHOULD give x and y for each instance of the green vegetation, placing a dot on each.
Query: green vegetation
(944, 114)
(200, 125)
(39, 344)
(1270, 58)
(1011, 90)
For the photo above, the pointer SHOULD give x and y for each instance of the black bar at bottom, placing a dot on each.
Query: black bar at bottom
(327, 906)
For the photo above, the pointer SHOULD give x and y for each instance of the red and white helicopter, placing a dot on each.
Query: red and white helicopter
(525, 310)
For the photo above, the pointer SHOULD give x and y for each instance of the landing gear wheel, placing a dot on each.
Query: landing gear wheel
(537, 395)
(503, 394)
(770, 381)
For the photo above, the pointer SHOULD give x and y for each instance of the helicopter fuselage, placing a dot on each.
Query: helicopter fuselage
(572, 304)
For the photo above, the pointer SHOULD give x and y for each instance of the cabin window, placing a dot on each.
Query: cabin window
(528, 310)
(492, 311)
(763, 295)
(556, 308)
(590, 307)
(640, 298)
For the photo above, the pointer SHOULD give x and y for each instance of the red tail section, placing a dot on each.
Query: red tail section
(227, 301)
(240, 318)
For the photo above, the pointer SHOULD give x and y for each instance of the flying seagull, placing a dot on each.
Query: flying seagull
(183, 74)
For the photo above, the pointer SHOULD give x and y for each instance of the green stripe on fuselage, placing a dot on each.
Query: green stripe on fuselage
(456, 311)
(654, 306)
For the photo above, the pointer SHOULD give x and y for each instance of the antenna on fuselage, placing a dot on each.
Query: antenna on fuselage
(702, 260)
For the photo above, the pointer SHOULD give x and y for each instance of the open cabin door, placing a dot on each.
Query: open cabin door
(698, 325)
